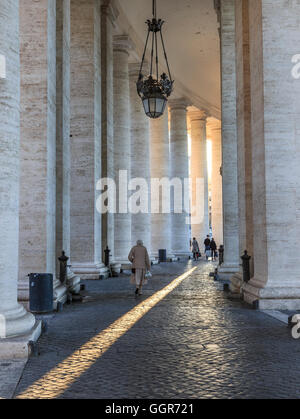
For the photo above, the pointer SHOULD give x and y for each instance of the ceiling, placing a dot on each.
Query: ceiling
(192, 43)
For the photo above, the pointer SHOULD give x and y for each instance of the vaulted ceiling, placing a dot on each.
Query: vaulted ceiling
(192, 42)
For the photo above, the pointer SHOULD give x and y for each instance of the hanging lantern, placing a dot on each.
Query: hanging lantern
(154, 90)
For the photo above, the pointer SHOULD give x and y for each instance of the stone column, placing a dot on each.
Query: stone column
(215, 135)
(86, 251)
(140, 160)
(14, 320)
(108, 17)
(122, 147)
(180, 228)
(244, 138)
(275, 131)
(199, 176)
(63, 161)
(62, 127)
(160, 169)
(37, 244)
(229, 140)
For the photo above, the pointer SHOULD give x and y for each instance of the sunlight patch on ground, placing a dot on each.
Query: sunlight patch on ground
(60, 378)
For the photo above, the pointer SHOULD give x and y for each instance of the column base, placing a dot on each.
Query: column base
(60, 294)
(15, 322)
(271, 298)
(236, 282)
(115, 268)
(90, 270)
(73, 282)
(182, 255)
(154, 260)
(170, 258)
(226, 271)
(125, 264)
(17, 347)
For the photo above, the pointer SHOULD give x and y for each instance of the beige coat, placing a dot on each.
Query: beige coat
(139, 258)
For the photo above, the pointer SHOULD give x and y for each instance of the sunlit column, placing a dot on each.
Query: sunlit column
(215, 135)
(180, 228)
(14, 320)
(199, 176)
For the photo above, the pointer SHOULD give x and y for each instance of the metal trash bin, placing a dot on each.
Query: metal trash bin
(162, 255)
(40, 293)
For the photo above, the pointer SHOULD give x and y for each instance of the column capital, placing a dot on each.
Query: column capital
(110, 11)
(214, 125)
(181, 103)
(134, 69)
(122, 43)
(198, 115)
(217, 6)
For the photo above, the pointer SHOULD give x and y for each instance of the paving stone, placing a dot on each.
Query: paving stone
(195, 343)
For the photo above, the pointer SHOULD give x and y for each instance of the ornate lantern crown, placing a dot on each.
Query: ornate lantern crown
(154, 92)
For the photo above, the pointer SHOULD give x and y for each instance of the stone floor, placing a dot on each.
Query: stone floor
(195, 343)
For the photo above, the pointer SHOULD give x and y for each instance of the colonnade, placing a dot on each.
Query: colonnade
(77, 119)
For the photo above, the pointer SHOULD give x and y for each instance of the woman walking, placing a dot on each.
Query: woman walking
(139, 258)
(195, 249)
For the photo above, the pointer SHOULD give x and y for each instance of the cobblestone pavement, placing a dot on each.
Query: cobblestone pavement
(195, 343)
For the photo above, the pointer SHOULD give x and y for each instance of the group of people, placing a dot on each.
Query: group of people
(210, 249)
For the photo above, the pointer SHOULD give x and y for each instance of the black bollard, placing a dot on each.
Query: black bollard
(63, 265)
(221, 255)
(246, 266)
(106, 256)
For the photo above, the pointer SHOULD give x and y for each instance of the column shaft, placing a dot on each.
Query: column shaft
(140, 159)
(229, 139)
(215, 135)
(179, 169)
(14, 320)
(275, 155)
(244, 137)
(199, 176)
(63, 161)
(160, 169)
(38, 141)
(108, 16)
(122, 149)
(86, 251)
